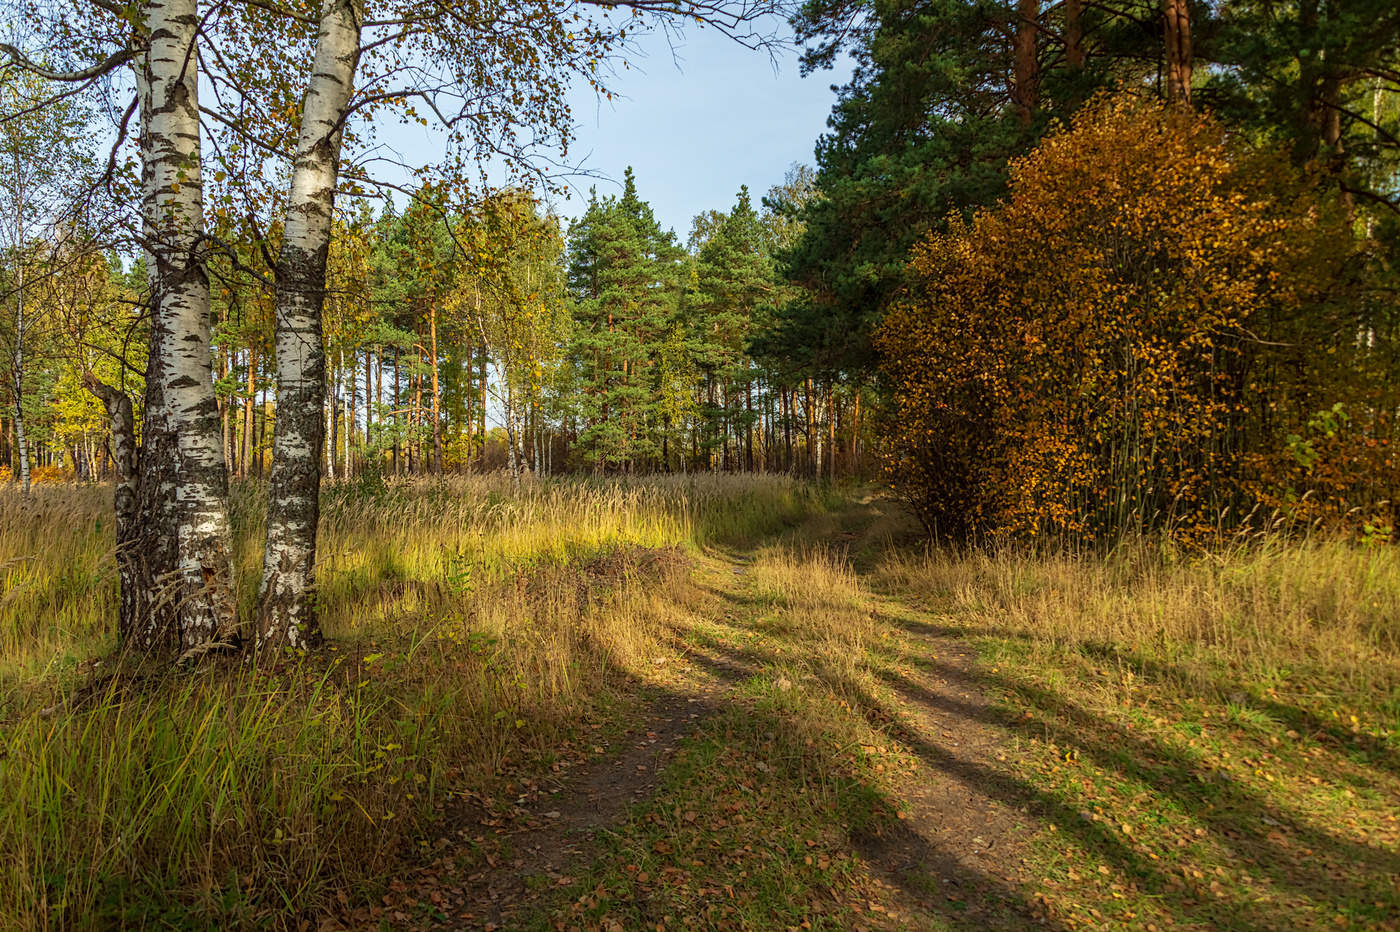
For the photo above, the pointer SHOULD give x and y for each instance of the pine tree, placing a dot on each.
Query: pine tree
(624, 271)
(731, 293)
(944, 95)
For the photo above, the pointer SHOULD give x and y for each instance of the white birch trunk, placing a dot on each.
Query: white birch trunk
(330, 439)
(287, 614)
(20, 229)
(205, 606)
(348, 433)
(146, 552)
(17, 384)
(513, 450)
(124, 464)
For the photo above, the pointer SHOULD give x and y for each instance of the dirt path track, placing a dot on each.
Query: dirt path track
(952, 860)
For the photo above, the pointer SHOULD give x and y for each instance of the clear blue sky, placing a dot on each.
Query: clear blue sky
(697, 127)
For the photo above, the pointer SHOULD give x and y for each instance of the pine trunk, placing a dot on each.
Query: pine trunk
(249, 414)
(1176, 22)
(1026, 78)
(831, 429)
(748, 425)
(1074, 33)
(226, 419)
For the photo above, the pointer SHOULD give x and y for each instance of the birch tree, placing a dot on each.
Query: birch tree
(35, 212)
(180, 288)
(493, 79)
(289, 558)
(173, 555)
(290, 89)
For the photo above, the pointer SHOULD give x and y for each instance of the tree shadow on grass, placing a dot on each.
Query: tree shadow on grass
(1377, 752)
(788, 791)
(1278, 845)
(941, 880)
(767, 750)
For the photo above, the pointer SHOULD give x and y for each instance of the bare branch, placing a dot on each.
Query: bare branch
(17, 59)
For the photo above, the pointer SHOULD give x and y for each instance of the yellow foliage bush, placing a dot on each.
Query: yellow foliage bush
(1139, 337)
(52, 474)
(40, 474)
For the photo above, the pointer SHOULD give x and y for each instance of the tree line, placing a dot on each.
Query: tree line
(601, 345)
(946, 94)
(265, 322)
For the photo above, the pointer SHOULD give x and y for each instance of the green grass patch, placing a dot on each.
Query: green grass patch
(1208, 741)
(756, 825)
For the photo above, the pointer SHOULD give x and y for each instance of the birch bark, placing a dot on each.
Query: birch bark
(287, 615)
(146, 550)
(17, 383)
(125, 458)
(204, 603)
(332, 410)
(437, 394)
(19, 210)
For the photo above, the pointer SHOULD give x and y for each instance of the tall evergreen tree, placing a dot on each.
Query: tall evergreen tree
(730, 297)
(946, 93)
(625, 274)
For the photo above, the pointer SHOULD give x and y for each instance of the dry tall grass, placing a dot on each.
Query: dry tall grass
(379, 546)
(1211, 735)
(1263, 613)
(473, 628)
(819, 606)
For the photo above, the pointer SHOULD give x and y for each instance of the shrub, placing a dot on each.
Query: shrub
(1131, 340)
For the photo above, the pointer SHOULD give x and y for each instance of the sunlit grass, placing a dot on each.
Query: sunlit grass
(473, 628)
(58, 579)
(1213, 739)
(760, 820)
(1200, 740)
(1281, 615)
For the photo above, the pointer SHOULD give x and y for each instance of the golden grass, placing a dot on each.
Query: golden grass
(1325, 609)
(473, 628)
(378, 546)
(752, 823)
(57, 574)
(820, 608)
(1212, 735)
